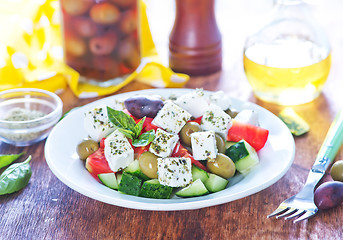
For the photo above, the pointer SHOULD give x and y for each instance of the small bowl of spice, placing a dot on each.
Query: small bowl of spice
(27, 115)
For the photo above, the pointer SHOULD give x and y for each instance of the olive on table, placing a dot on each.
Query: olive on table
(337, 171)
(220, 142)
(86, 148)
(187, 130)
(329, 195)
(141, 105)
(222, 166)
(148, 164)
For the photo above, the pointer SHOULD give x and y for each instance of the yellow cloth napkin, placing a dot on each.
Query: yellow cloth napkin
(31, 53)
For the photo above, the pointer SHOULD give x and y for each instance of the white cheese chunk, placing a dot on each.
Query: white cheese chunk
(171, 117)
(220, 99)
(118, 151)
(163, 144)
(248, 116)
(97, 124)
(118, 104)
(174, 172)
(194, 102)
(204, 145)
(216, 120)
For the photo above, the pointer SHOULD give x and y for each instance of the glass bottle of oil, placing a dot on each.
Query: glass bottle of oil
(288, 60)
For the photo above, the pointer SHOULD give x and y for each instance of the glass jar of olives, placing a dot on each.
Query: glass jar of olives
(101, 39)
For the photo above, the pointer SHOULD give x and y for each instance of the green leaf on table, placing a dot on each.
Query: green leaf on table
(144, 139)
(138, 128)
(15, 177)
(121, 119)
(6, 160)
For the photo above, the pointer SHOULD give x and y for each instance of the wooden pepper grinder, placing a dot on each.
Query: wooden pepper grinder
(195, 45)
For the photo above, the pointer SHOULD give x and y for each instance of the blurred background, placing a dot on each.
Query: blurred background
(236, 19)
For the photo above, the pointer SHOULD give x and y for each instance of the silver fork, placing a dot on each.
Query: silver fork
(301, 206)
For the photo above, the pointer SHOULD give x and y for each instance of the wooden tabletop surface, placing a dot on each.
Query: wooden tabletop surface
(48, 209)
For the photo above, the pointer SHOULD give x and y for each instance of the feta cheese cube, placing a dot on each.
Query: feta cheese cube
(171, 117)
(97, 124)
(216, 120)
(163, 144)
(247, 116)
(194, 102)
(220, 99)
(204, 145)
(174, 171)
(118, 151)
(118, 104)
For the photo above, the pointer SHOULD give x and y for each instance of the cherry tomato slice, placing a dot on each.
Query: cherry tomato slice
(255, 136)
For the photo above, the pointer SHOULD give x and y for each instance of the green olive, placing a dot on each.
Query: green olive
(222, 166)
(148, 164)
(86, 148)
(337, 171)
(220, 144)
(232, 113)
(187, 130)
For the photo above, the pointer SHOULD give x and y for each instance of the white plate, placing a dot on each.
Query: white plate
(60, 152)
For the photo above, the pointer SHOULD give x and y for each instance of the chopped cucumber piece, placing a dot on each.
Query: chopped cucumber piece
(294, 122)
(199, 173)
(135, 170)
(118, 175)
(109, 180)
(229, 144)
(153, 189)
(243, 155)
(130, 184)
(215, 183)
(196, 188)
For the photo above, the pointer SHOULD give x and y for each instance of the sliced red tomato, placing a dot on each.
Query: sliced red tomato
(102, 143)
(255, 136)
(181, 151)
(197, 120)
(147, 125)
(96, 163)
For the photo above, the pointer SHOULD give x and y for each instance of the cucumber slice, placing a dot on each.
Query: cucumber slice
(196, 188)
(118, 175)
(109, 180)
(135, 170)
(243, 155)
(229, 144)
(130, 184)
(294, 122)
(198, 173)
(153, 189)
(215, 183)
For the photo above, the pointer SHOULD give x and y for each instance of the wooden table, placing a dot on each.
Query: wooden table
(48, 209)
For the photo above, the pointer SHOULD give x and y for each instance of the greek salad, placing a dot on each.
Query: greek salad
(188, 145)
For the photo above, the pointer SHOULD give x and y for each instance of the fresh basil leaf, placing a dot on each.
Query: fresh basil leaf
(15, 177)
(121, 119)
(6, 160)
(127, 133)
(144, 139)
(138, 127)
